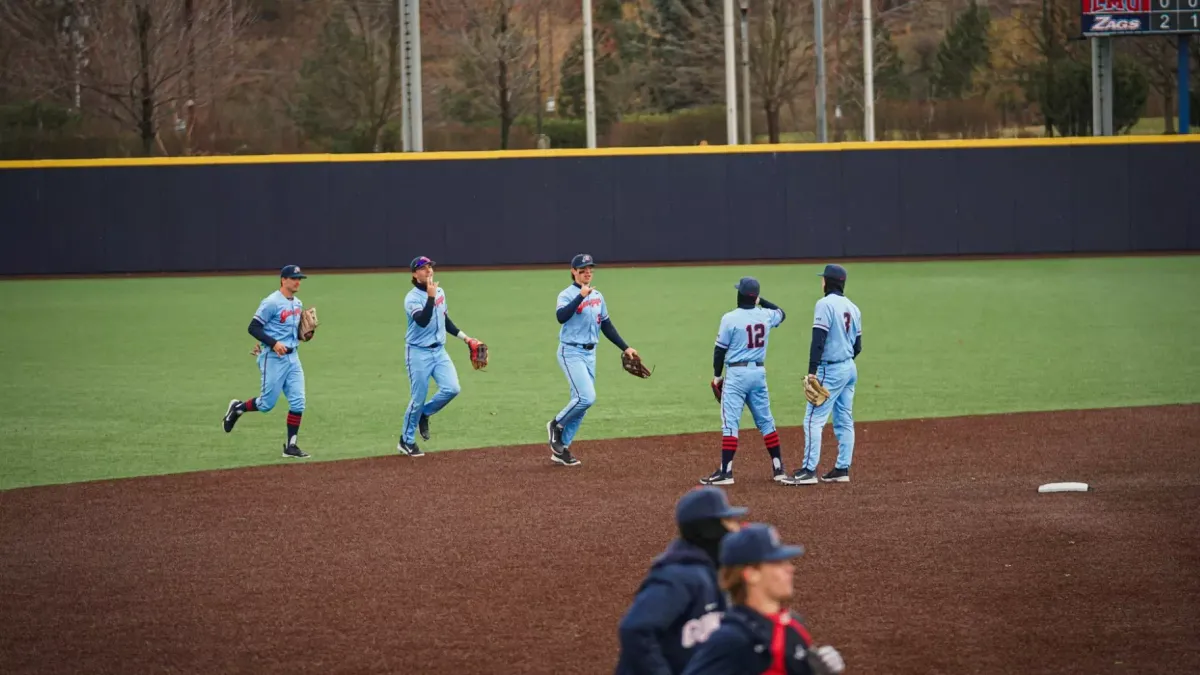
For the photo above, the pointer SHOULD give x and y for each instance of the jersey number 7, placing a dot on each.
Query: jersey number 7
(846, 316)
(755, 336)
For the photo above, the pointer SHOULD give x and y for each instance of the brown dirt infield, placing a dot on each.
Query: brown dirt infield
(940, 557)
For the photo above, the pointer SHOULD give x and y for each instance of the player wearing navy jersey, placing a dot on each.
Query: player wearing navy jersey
(758, 635)
(741, 352)
(836, 343)
(425, 354)
(582, 314)
(276, 325)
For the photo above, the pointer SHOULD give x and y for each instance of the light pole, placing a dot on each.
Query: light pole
(746, 135)
(819, 38)
(589, 75)
(730, 79)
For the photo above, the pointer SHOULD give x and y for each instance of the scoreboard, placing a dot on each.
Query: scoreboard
(1139, 17)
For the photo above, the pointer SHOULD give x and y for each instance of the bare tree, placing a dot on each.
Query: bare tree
(497, 55)
(1159, 55)
(133, 60)
(780, 55)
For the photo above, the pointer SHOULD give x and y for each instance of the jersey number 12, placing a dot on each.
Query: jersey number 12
(756, 336)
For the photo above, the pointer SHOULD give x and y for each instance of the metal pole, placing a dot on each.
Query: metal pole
(418, 108)
(1097, 98)
(868, 74)
(819, 39)
(412, 131)
(1183, 77)
(746, 130)
(1106, 84)
(730, 79)
(589, 74)
(405, 100)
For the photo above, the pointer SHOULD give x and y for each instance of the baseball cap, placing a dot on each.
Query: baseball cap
(834, 272)
(706, 502)
(582, 260)
(756, 543)
(747, 286)
(419, 262)
(292, 272)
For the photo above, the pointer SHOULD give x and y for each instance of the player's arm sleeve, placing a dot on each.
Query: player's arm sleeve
(565, 310)
(721, 654)
(816, 348)
(654, 609)
(259, 331)
(450, 327)
(857, 345)
(424, 314)
(719, 359)
(610, 332)
(772, 306)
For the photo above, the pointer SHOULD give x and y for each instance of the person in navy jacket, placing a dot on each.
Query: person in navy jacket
(679, 604)
(757, 635)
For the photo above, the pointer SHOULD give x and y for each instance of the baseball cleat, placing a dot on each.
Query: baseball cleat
(232, 414)
(779, 475)
(409, 449)
(423, 426)
(555, 433)
(294, 451)
(801, 477)
(565, 458)
(837, 476)
(718, 477)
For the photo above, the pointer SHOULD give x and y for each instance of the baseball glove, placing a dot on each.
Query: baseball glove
(479, 353)
(308, 324)
(717, 385)
(633, 364)
(814, 391)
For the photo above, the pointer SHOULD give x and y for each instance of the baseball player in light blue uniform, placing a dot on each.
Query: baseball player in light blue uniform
(425, 354)
(836, 343)
(741, 351)
(276, 325)
(583, 314)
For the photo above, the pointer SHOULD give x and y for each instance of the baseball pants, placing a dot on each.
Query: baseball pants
(745, 386)
(280, 374)
(839, 379)
(579, 364)
(423, 363)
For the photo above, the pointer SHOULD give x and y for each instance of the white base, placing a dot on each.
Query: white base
(1064, 487)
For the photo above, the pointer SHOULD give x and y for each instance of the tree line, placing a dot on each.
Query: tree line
(104, 77)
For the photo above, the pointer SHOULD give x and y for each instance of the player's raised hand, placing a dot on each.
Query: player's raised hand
(431, 287)
(585, 290)
(280, 349)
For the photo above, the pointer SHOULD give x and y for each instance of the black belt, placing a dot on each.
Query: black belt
(739, 364)
(587, 347)
(432, 346)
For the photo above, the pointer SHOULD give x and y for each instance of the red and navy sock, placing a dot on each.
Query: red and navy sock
(249, 406)
(728, 449)
(772, 442)
(293, 425)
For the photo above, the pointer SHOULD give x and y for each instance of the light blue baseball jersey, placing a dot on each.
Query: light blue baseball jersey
(280, 317)
(584, 325)
(433, 332)
(841, 318)
(744, 333)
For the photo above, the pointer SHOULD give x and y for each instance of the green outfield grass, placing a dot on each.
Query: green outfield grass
(124, 377)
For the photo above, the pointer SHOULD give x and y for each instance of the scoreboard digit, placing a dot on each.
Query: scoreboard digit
(1139, 17)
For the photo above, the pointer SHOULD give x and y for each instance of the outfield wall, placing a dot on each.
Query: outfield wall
(625, 205)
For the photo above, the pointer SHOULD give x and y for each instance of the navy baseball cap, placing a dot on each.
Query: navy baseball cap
(292, 272)
(419, 262)
(748, 286)
(704, 503)
(834, 272)
(582, 260)
(756, 543)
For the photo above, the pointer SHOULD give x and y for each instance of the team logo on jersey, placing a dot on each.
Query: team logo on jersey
(1105, 23)
(587, 303)
(283, 316)
(697, 631)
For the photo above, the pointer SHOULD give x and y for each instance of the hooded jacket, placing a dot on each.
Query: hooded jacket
(677, 607)
(749, 643)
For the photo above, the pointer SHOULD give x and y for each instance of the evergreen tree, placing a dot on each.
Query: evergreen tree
(963, 51)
